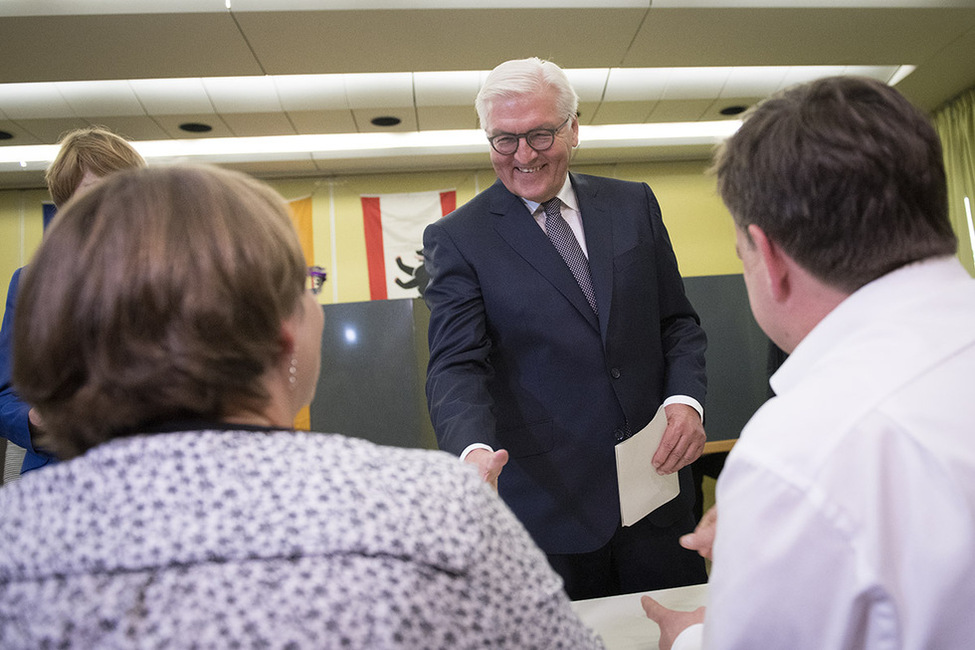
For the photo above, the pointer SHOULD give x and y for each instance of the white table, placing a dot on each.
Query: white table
(620, 620)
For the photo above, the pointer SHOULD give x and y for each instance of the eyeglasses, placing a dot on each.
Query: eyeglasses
(316, 278)
(538, 139)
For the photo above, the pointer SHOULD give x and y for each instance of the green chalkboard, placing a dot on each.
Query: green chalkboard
(737, 355)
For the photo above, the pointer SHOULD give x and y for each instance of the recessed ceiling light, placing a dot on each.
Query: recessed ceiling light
(733, 110)
(195, 127)
(385, 120)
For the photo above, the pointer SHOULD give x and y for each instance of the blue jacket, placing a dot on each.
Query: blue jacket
(13, 411)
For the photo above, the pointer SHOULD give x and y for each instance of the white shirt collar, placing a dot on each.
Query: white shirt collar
(567, 194)
(882, 299)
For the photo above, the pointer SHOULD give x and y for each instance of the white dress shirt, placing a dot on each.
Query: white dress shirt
(846, 512)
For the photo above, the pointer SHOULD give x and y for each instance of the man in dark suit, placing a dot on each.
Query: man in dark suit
(556, 331)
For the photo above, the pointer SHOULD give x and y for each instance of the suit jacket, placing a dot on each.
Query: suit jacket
(13, 412)
(519, 361)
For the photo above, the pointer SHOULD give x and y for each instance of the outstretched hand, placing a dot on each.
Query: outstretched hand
(702, 539)
(489, 464)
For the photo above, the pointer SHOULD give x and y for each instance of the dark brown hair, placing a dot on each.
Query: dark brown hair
(844, 174)
(157, 295)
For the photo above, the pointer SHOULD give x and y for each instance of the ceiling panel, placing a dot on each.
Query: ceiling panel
(100, 98)
(132, 127)
(695, 83)
(311, 92)
(588, 111)
(446, 117)
(50, 131)
(64, 48)
(623, 112)
(171, 123)
(395, 90)
(450, 88)
(172, 96)
(689, 110)
(780, 36)
(364, 117)
(19, 133)
(713, 111)
(589, 83)
(198, 62)
(24, 101)
(436, 39)
(943, 75)
(323, 121)
(634, 84)
(757, 81)
(936, 39)
(246, 125)
(242, 95)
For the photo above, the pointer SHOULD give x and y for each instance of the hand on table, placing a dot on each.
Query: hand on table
(671, 622)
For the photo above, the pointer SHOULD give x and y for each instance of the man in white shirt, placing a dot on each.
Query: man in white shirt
(847, 509)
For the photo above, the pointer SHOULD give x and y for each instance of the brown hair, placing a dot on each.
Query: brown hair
(157, 295)
(92, 149)
(844, 174)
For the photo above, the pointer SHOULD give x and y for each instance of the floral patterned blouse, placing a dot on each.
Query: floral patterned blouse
(270, 539)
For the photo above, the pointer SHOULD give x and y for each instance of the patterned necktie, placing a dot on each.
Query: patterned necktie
(568, 246)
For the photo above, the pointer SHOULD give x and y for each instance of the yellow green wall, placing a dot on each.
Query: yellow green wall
(699, 225)
(21, 227)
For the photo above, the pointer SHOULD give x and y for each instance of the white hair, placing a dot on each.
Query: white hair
(525, 77)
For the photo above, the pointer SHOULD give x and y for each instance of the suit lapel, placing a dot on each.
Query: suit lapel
(517, 227)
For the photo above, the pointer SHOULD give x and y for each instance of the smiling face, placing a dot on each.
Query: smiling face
(533, 175)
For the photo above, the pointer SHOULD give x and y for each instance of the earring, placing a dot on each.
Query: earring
(293, 372)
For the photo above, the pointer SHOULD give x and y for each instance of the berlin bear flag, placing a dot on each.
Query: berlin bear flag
(394, 226)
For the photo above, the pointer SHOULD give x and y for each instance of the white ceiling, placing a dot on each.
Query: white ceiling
(330, 66)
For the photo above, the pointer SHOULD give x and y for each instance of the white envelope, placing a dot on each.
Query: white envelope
(642, 490)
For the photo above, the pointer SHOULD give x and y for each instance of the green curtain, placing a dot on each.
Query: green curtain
(955, 123)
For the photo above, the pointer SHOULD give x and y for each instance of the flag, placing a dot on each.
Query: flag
(301, 218)
(394, 226)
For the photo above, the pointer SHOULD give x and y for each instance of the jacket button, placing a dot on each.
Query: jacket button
(620, 434)
(615, 373)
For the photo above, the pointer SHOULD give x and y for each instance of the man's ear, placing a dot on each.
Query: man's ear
(775, 262)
